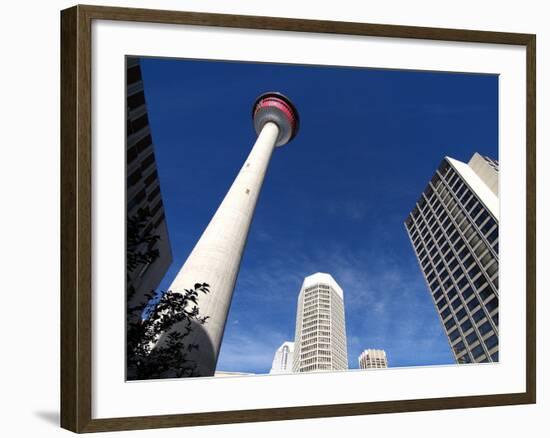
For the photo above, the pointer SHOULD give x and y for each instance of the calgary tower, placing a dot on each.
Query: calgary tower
(216, 257)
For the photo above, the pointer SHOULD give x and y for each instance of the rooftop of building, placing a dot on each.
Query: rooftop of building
(323, 278)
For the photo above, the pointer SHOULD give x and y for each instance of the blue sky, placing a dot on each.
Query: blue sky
(334, 199)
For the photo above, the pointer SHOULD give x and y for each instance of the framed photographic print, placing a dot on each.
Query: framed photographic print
(268, 218)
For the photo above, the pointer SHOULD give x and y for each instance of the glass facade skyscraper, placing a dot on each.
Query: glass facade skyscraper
(454, 232)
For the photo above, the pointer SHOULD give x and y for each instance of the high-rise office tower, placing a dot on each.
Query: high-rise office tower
(373, 359)
(454, 231)
(216, 257)
(143, 191)
(320, 341)
(282, 362)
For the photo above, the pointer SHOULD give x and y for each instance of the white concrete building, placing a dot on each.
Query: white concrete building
(320, 341)
(284, 356)
(216, 257)
(486, 169)
(454, 232)
(372, 358)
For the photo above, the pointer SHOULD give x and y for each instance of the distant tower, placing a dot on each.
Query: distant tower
(373, 359)
(282, 362)
(216, 257)
(454, 232)
(320, 342)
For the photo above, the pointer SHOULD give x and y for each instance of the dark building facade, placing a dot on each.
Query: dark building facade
(143, 189)
(454, 232)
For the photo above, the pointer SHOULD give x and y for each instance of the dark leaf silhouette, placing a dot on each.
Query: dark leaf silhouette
(145, 357)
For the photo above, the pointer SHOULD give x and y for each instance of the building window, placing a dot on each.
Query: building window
(473, 272)
(136, 100)
(459, 347)
(481, 218)
(485, 293)
(139, 123)
(131, 155)
(133, 74)
(473, 303)
(458, 273)
(136, 200)
(156, 207)
(150, 178)
(488, 226)
(492, 305)
(468, 292)
(462, 283)
(479, 315)
(479, 282)
(451, 293)
(154, 193)
(150, 159)
(477, 351)
(492, 342)
(492, 269)
(471, 338)
(466, 325)
(456, 304)
(134, 177)
(454, 335)
(493, 236)
(450, 323)
(485, 328)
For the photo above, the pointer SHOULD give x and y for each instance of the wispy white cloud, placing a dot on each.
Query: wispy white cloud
(386, 302)
(250, 350)
(353, 209)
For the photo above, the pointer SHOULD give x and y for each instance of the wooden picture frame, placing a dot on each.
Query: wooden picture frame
(76, 217)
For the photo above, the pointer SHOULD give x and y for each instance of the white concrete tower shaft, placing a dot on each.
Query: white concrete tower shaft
(216, 257)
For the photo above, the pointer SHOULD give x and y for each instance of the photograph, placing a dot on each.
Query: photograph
(293, 218)
(275, 219)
